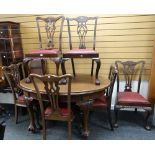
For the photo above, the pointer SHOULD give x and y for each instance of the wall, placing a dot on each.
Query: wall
(119, 37)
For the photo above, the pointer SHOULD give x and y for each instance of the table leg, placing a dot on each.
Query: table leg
(85, 107)
(31, 126)
(85, 131)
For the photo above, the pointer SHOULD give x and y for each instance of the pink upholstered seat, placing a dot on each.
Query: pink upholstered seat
(81, 53)
(63, 111)
(44, 51)
(132, 99)
(100, 102)
(21, 99)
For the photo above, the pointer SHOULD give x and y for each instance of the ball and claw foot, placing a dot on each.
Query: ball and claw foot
(97, 82)
(115, 125)
(147, 127)
(31, 129)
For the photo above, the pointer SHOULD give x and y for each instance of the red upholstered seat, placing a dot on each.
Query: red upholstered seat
(100, 102)
(63, 111)
(44, 51)
(81, 51)
(132, 99)
(21, 99)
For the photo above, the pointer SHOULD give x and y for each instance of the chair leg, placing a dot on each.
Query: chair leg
(72, 61)
(44, 129)
(16, 114)
(92, 68)
(110, 119)
(135, 110)
(63, 66)
(57, 67)
(37, 114)
(69, 130)
(98, 63)
(116, 117)
(147, 126)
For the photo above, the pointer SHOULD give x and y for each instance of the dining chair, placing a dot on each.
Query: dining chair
(105, 99)
(13, 76)
(130, 72)
(83, 28)
(36, 66)
(50, 41)
(54, 110)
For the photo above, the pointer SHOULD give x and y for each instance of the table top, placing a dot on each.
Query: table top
(81, 84)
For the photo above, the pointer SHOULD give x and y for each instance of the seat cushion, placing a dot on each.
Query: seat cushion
(48, 111)
(132, 99)
(100, 102)
(63, 111)
(21, 99)
(76, 52)
(81, 51)
(43, 52)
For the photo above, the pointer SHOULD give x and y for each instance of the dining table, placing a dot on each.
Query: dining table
(83, 92)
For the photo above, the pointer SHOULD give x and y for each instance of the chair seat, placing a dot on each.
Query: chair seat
(21, 101)
(43, 53)
(63, 111)
(100, 102)
(132, 99)
(81, 53)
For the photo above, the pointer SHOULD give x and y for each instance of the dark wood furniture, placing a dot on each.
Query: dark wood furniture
(151, 93)
(12, 75)
(104, 101)
(54, 110)
(49, 29)
(36, 66)
(128, 98)
(10, 45)
(81, 27)
(82, 90)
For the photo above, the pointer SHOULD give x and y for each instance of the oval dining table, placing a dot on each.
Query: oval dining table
(83, 92)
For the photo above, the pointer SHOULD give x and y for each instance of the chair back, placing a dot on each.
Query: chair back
(51, 85)
(80, 25)
(112, 77)
(47, 28)
(13, 76)
(37, 66)
(129, 71)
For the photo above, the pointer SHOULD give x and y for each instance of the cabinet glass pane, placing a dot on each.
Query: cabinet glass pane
(5, 45)
(4, 31)
(17, 44)
(15, 31)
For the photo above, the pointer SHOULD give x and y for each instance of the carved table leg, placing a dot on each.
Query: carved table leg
(85, 132)
(85, 107)
(31, 126)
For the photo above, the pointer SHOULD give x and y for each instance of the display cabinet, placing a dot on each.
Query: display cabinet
(10, 46)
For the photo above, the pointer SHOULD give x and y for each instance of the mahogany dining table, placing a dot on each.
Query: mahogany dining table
(83, 92)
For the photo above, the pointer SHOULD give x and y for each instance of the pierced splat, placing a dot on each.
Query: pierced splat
(50, 30)
(129, 70)
(51, 85)
(52, 89)
(50, 27)
(82, 30)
